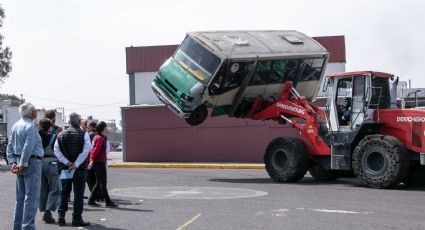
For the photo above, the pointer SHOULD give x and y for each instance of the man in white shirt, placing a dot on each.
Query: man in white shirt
(72, 148)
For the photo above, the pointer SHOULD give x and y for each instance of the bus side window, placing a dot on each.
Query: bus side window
(276, 75)
(290, 73)
(262, 73)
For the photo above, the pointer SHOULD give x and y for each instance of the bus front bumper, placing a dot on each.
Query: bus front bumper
(166, 99)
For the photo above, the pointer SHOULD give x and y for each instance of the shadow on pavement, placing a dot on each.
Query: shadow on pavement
(98, 226)
(121, 203)
(92, 226)
(305, 181)
(133, 209)
(245, 180)
(351, 182)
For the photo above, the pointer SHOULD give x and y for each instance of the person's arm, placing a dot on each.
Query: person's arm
(29, 144)
(59, 154)
(10, 152)
(86, 149)
(97, 145)
(108, 147)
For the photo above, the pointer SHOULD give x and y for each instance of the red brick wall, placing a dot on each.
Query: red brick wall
(155, 134)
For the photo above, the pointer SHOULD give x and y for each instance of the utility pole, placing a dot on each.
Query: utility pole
(63, 113)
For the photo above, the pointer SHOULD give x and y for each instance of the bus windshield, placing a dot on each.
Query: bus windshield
(197, 60)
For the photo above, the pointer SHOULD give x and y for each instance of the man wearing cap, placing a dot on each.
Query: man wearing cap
(25, 152)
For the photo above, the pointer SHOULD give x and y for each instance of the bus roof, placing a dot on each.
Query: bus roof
(264, 44)
(374, 73)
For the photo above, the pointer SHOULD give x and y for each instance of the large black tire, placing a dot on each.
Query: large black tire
(380, 161)
(198, 116)
(416, 175)
(322, 174)
(286, 159)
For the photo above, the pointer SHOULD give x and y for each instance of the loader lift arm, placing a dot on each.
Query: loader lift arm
(290, 104)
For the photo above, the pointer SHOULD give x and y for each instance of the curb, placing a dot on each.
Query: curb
(186, 165)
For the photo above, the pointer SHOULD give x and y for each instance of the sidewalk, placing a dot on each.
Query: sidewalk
(115, 161)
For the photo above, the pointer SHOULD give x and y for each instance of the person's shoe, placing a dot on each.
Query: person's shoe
(61, 221)
(80, 223)
(111, 204)
(93, 203)
(85, 197)
(48, 218)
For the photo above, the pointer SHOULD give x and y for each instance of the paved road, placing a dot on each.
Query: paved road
(238, 199)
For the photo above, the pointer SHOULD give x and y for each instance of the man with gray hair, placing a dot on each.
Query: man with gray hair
(25, 152)
(72, 148)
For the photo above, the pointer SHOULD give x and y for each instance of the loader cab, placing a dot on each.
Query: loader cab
(353, 105)
(354, 97)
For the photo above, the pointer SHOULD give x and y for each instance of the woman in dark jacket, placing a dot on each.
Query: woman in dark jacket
(50, 188)
(97, 163)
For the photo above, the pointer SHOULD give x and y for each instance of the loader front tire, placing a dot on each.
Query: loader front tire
(286, 159)
(380, 161)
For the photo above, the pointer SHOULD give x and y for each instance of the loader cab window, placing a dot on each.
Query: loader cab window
(343, 101)
(380, 97)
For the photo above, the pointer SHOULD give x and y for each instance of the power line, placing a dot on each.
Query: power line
(86, 105)
(94, 106)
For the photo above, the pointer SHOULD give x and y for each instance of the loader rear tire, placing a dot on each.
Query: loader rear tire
(286, 159)
(380, 161)
(415, 176)
(321, 174)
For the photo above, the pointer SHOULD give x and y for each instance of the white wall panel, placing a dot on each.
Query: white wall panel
(143, 90)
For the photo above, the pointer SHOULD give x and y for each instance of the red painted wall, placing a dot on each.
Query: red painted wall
(155, 134)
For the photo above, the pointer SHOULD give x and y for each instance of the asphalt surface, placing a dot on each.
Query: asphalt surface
(237, 199)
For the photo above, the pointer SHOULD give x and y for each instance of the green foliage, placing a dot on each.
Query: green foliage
(5, 53)
(15, 100)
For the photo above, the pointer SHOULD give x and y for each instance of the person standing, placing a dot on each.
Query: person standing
(50, 188)
(91, 177)
(51, 114)
(97, 163)
(91, 129)
(25, 152)
(83, 125)
(71, 149)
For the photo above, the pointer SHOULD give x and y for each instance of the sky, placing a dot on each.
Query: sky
(71, 54)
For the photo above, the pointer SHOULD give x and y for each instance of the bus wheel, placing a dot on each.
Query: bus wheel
(198, 116)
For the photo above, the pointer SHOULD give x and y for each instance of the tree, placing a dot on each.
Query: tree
(16, 101)
(5, 53)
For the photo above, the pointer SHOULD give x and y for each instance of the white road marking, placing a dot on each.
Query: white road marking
(180, 192)
(103, 219)
(334, 211)
(281, 210)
